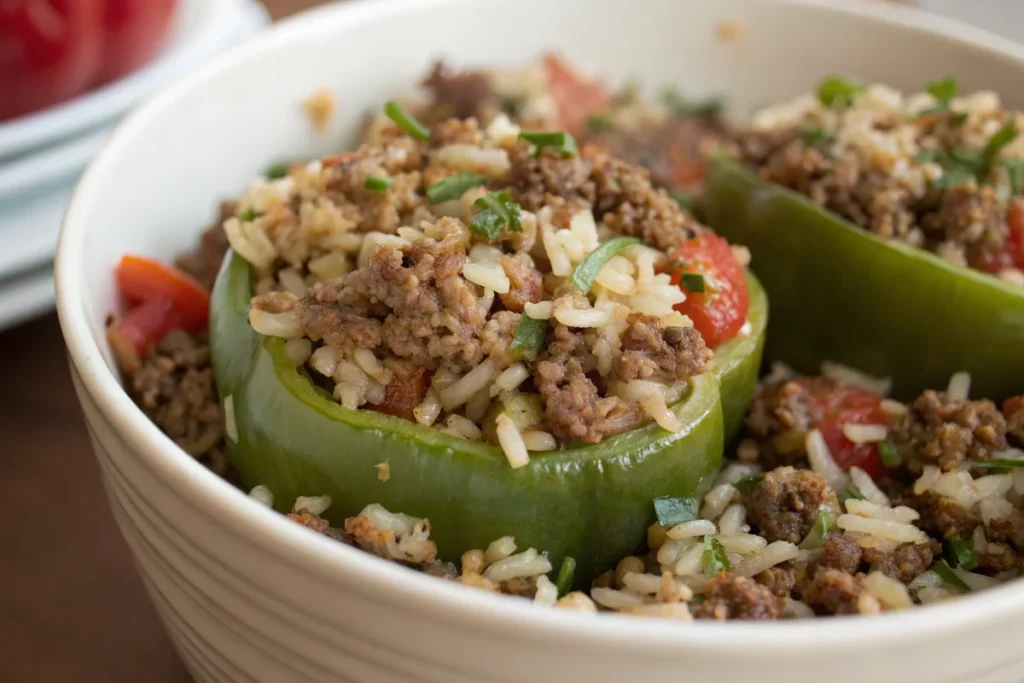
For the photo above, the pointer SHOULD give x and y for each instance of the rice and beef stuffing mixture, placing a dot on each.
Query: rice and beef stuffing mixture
(402, 274)
(672, 136)
(935, 170)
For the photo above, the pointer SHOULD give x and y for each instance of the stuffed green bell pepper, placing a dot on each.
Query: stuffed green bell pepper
(489, 349)
(888, 232)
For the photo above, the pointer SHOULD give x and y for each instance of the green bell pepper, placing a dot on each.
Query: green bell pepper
(738, 361)
(841, 293)
(591, 503)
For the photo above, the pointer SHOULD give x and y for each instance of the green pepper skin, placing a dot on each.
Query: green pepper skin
(591, 503)
(840, 293)
(738, 361)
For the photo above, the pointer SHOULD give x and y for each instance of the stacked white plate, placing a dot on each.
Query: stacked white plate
(42, 154)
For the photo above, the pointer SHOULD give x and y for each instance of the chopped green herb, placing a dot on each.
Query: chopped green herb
(747, 485)
(672, 511)
(998, 464)
(960, 554)
(497, 209)
(925, 156)
(559, 141)
(679, 105)
(836, 92)
(943, 90)
(277, 171)
(948, 576)
(694, 282)
(582, 277)
(565, 575)
(970, 159)
(890, 456)
(1001, 138)
(452, 187)
(850, 492)
(598, 122)
(814, 136)
(822, 528)
(377, 184)
(249, 214)
(529, 337)
(714, 559)
(953, 177)
(1015, 173)
(957, 120)
(406, 121)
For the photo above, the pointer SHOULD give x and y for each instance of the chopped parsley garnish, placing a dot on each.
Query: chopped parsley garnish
(679, 105)
(248, 215)
(814, 136)
(1015, 172)
(962, 165)
(529, 337)
(957, 120)
(406, 121)
(452, 187)
(277, 171)
(565, 575)
(694, 282)
(948, 576)
(558, 141)
(836, 92)
(598, 122)
(850, 492)
(953, 177)
(747, 485)
(714, 559)
(1001, 138)
(583, 275)
(672, 510)
(961, 554)
(943, 90)
(497, 209)
(889, 455)
(926, 156)
(998, 464)
(377, 184)
(823, 526)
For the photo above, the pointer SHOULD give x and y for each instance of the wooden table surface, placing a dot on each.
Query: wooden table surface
(71, 605)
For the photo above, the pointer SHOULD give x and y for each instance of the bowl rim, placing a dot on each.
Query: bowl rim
(388, 582)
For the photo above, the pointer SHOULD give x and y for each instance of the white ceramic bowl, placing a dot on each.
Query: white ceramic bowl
(249, 596)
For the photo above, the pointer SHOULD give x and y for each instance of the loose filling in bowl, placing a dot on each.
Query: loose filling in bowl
(515, 287)
(937, 170)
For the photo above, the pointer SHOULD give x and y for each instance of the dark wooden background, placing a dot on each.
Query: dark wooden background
(71, 605)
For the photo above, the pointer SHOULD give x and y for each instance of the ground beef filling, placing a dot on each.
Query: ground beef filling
(787, 502)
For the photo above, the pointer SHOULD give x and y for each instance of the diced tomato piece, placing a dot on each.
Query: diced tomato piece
(577, 98)
(133, 31)
(147, 324)
(405, 391)
(1012, 255)
(856, 406)
(142, 280)
(718, 313)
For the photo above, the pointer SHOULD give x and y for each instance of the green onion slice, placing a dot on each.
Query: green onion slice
(998, 463)
(694, 282)
(559, 141)
(406, 121)
(277, 171)
(890, 456)
(822, 528)
(497, 209)
(529, 337)
(672, 510)
(249, 214)
(452, 187)
(949, 576)
(565, 575)
(747, 485)
(836, 92)
(377, 184)
(961, 554)
(714, 559)
(582, 277)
